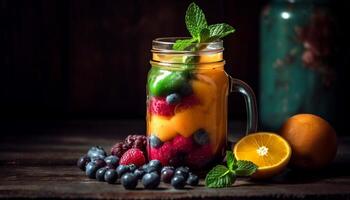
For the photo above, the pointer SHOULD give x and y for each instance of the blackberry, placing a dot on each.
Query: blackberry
(137, 141)
(118, 149)
(132, 141)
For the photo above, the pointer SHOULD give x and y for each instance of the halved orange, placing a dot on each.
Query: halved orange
(269, 151)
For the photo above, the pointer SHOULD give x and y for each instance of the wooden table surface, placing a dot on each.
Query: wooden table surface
(38, 160)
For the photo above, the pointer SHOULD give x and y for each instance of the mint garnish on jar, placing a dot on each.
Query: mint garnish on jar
(200, 31)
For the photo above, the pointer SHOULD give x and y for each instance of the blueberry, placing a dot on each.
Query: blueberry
(150, 169)
(201, 137)
(151, 180)
(81, 163)
(96, 152)
(111, 176)
(192, 180)
(167, 167)
(143, 167)
(132, 167)
(100, 174)
(155, 141)
(173, 98)
(122, 169)
(186, 89)
(139, 173)
(112, 161)
(167, 175)
(178, 182)
(182, 171)
(99, 163)
(155, 163)
(129, 181)
(91, 169)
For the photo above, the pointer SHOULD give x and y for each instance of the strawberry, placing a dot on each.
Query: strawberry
(163, 154)
(159, 106)
(133, 156)
(182, 144)
(199, 157)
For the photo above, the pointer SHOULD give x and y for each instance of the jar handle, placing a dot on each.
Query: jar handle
(237, 85)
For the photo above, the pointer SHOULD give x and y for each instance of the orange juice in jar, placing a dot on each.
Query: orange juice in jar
(187, 104)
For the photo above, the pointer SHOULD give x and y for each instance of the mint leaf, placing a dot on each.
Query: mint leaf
(245, 168)
(230, 160)
(219, 177)
(219, 31)
(195, 20)
(181, 45)
(204, 35)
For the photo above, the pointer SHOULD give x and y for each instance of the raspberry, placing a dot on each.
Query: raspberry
(133, 156)
(159, 106)
(182, 144)
(187, 102)
(199, 157)
(163, 154)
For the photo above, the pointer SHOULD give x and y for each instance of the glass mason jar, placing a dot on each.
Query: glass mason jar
(187, 104)
(297, 71)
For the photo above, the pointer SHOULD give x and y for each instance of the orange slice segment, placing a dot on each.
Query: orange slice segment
(269, 151)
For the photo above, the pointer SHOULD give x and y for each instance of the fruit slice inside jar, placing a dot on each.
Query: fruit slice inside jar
(269, 151)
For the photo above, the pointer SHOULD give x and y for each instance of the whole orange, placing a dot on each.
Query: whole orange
(312, 139)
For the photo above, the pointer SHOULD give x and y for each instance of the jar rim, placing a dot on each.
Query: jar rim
(165, 45)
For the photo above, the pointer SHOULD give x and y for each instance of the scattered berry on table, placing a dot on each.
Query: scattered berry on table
(155, 141)
(82, 162)
(122, 169)
(119, 148)
(132, 167)
(201, 137)
(182, 144)
(91, 169)
(173, 99)
(133, 156)
(137, 141)
(182, 171)
(192, 180)
(139, 173)
(167, 167)
(167, 175)
(155, 163)
(150, 169)
(178, 182)
(111, 176)
(151, 180)
(100, 174)
(132, 141)
(99, 163)
(129, 181)
(96, 152)
(112, 160)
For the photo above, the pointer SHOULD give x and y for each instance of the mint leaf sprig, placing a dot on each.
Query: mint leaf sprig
(222, 176)
(200, 31)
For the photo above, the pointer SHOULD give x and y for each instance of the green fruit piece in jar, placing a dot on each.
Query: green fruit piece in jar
(164, 82)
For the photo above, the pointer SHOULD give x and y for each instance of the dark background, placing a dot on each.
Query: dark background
(87, 59)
